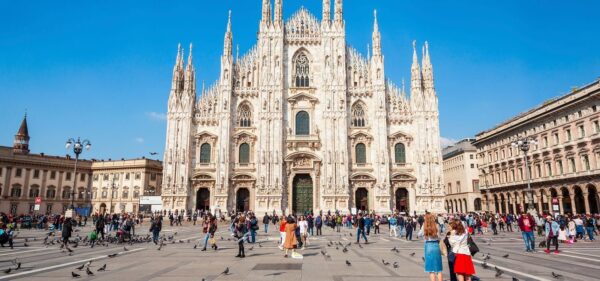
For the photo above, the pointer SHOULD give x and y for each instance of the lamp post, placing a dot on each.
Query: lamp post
(485, 180)
(78, 146)
(524, 144)
(113, 187)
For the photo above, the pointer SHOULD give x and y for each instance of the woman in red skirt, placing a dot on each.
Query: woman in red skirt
(463, 264)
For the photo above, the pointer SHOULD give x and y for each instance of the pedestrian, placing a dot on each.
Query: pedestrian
(432, 252)
(526, 225)
(282, 232)
(67, 231)
(377, 223)
(551, 227)
(195, 217)
(205, 226)
(241, 234)
(589, 227)
(463, 263)
(319, 224)
(155, 228)
(450, 256)
(6, 235)
(409, 229)
(368, 223)
(290, 241)
(393, 229)
(212, 229)
(303, 225)
(266, 220)
(360, 229)
(311, 225)
(100, 227)
(253, 225)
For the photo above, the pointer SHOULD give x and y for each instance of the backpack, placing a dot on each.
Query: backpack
(93, 235)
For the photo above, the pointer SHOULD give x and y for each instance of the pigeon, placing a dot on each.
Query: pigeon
(103, 268)
(350, 234)
(515, 279)
(498, 272)
(348, 263)
(88, 271)
(394, 249)
(360, 246)
(153, 153)
(125, 249)
(75, 275)
(251, 248)
(226, 271)
(322, 252)
(259, 245)
(8, 270)
(485, 265)
(505, 256)
(112, 255)
(344, 250)
(556, 275)
(70, 251)
(195, 246)
(89, 263)
(18, 266)
(487, 257)
(412, 254)
(81, 267)
(385, 262)
(395, 264)
(25, 244)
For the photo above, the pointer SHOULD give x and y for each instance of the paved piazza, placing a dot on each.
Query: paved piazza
(180, 261)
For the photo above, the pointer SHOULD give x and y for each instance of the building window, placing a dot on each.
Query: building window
(15, 191)
(539, 170)
(105, 177)
(18, 172)
(68, 176)
(512, 173)
(136, 193)
(572, 163)
(48, 208)
(244, 115)
(82, 177)
(361, 153)
(80, 193)
(95, 177)
(545, 141)
(472, 165)
(569, 137)
(34, 191)
(302, 123)
(581, 131)
(400, 153)
(36, 174)
(204, 153)
(597, 126)
(127, 176)
(153, 175)
(244, 153)
(104, 194)
(556, 141)
(549, 169)
(125, 194)
(50, 193)
(138, 176)
(458, 185)
(116, 176)
(66, 194)
(471, 156)
(302, 71)
(579, 114)
(586, 162)
(358, 115)
(115, 194)
(560, 167)
(594, 108)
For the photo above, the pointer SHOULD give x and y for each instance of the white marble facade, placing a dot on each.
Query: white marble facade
(303, 121)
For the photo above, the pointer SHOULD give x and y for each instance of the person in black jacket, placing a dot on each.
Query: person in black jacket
(100, 227)
(155, 228)
(360, 229)
(67, 231)
(266, 220)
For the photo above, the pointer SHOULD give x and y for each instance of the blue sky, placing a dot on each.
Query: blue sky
(102, 69)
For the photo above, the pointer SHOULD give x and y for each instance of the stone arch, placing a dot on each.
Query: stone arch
(359, 114)
(477, 204)
(244, 114)
(566, 200)
(579, 200)
(592, 198)
(301, 68)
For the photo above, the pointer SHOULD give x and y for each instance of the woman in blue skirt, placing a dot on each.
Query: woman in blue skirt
(433, 255)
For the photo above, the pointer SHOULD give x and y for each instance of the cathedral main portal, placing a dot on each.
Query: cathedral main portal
(302, 198)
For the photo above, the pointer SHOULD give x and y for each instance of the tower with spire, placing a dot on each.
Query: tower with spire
(302, 121)
(21, 140)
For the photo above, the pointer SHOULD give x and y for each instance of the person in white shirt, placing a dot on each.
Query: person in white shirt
(303, 224)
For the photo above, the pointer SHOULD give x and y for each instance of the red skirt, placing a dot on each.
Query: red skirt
(463, 265)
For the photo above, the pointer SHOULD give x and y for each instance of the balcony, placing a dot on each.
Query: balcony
(246, 167)
(362, 167)
(311, 141)
(205, 167)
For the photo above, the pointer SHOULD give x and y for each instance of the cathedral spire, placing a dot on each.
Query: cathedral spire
(376, 36)
(427, 68)
(266, 12)
(415, 80)
(326, 12)
(21, 141)
(227, 44)
(177, 82)
(278, 13)
(338, 17)
(190, 65)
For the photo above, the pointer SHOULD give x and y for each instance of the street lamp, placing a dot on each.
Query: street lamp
(78, 146)
(113, 187)
(524, 144)
(485, 180)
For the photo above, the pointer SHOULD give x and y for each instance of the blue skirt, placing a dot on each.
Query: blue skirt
(433, 257)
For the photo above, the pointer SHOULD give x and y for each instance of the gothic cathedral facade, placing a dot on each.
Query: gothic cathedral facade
(303, 122)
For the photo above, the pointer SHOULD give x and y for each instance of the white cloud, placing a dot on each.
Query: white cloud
(139, 140)
(445, 142)
(157, 116)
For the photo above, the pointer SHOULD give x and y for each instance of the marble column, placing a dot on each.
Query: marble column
(573, 203)
(586, 202)
(560, 205)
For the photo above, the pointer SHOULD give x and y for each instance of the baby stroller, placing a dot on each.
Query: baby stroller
(124, 233)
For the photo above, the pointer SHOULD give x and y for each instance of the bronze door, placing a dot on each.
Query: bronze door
(302, 195)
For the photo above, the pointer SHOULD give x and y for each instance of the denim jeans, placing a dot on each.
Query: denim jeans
(155, 234)
(266, 227)
(206, 237)
(252, 236)
(401, 231)
(360, 232)
(311, 231)
(590, 231)
(529, 240)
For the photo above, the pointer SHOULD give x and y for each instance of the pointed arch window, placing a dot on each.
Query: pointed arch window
(244, 116)
(302, 75)
(244, 153)
(358, 115)
(302, 123)
(205, 153)
(400, 153)
(361, 153)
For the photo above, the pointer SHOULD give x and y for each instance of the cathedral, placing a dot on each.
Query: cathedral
(303, 122)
